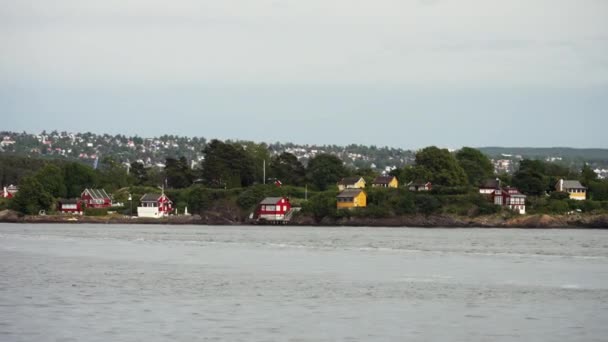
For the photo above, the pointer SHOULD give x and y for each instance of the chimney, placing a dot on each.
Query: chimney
(561, 184)
(498, 182)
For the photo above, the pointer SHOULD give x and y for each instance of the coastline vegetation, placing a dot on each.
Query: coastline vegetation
(230, 181)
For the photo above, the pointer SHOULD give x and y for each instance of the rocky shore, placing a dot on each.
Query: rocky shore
(215, 218)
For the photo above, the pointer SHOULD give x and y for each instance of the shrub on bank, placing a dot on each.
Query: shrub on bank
(96, 212)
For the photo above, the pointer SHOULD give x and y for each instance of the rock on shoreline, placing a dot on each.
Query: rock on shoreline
(445, 221)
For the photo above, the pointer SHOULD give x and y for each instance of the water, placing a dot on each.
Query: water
(186, 283)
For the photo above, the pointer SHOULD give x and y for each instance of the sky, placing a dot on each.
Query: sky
(401, 73)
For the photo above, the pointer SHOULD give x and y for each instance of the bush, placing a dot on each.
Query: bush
(427, 204)
(558, 207)
(96, 211)
(559, 195)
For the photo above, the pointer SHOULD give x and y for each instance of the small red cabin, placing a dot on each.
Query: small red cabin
(273, 209)
(70, 206)
(95, 198)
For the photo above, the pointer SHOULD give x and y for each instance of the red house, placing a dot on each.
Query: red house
(511, 198)
(70, 206)
(273, 209)
(95, 198)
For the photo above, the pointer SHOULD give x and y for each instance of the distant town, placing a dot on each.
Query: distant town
(152, 152)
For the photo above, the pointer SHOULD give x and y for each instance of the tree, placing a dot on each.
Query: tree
(112, 175)
(227, 165)
(321, 205)
(77, 178)
(287, 168)
(31, 197)
(325, 170)
(598, 190)
(178, 173)
(258, 154)
(138, 173)
(587, 174)
(475, 164)
(52, 179)
(440, 167)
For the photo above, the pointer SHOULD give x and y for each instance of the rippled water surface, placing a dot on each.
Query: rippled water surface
(186, 283)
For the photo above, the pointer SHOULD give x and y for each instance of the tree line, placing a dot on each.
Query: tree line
(235, 172)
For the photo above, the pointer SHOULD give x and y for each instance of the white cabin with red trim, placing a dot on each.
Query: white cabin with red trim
(154, 206)
(9, 191)
(273, 209)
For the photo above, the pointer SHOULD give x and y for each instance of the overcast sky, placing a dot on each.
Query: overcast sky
(403, 73)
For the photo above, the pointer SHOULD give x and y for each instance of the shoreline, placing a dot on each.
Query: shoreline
(410, 221)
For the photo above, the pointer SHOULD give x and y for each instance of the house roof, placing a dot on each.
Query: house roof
(349, 180)
(68, 201)
(349, 193)
(383, 180)
(418, 183)
(150, 197)
(97, 193)
(271, 200)
(491, 184)
(573, 184)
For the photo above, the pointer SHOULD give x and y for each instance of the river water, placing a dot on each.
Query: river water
(186, 283)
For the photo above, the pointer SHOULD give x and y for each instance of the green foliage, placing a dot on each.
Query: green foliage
(286, 168)
(440, 167)
(227, 165)
(3, 203)
(138, 173)
(427, 204)
(258, 154)
(559, 195)
(77, 178)
(178, 173)
(31, 197)
(325, 170)
(558, 206)
(111, 175)
(598, 190)
(198, 198)
(475, 164)
(95, 212)
(530, 179)
(451, 190)
(321, 205)
(587, 175)
(52, 179)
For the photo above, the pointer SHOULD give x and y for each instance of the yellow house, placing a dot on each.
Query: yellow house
(351, 183)
(573, 187)
(352, 198)
(385, 182)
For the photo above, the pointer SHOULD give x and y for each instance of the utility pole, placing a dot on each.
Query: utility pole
(264, 171)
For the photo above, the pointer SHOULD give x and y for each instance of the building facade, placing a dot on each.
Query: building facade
(573, 187)
(385, 182)
(95, 198)
(351, 183)
(154, 206)
(273, 209)
(351, 198)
